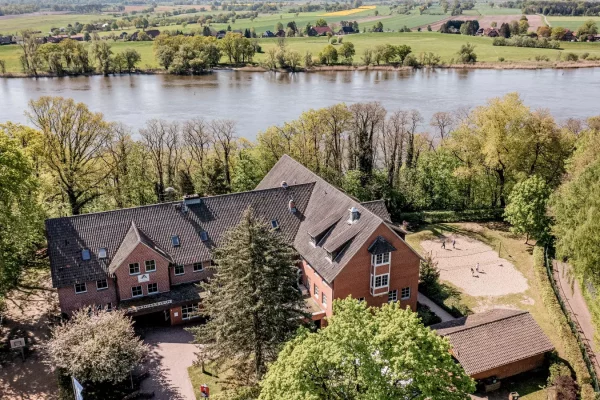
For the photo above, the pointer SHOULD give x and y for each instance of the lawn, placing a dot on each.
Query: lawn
(212, 378)
(572, 23)
(45, 23)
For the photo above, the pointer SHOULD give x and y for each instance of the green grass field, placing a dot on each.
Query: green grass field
(44, 23)
(572, 23)
(446, 46)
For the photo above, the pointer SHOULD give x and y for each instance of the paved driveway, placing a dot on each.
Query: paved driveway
(170, 356)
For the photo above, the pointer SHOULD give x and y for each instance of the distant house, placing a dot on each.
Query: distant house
(322, 30)
(220, 34)
(280, 33)
(60, 38)
(570, 36)
(491, 32)
(497, 343)
(346, 30)
(268, 34)
(133, 37)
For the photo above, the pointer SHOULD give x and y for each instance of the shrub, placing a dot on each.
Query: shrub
(566, 388)
(556, 370)
(429, 274)
(334, 40)
(501, 59)
(427, 316)
(542, 58)
(411, 61)
(585, 55)
(434, 217)
(571, 57)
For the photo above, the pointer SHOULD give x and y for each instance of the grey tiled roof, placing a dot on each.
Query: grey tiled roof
(325, 203)
(157, 223)
(380, 245)
(378, 208)
(481, 342)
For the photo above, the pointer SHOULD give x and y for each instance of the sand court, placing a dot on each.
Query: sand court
(496, 276)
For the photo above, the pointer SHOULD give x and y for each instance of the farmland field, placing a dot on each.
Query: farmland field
(572, 23)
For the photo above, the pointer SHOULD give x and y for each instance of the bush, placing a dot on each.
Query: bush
(429, 274)
(585, 55)
(571, 57)
(542, 58)
(435, 217)
(501, 59)
(427, 316)
(334, 40)
(411, 61)
(556, 370)
(566, 388)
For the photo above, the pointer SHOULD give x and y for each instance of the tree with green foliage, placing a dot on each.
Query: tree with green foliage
(347, 51)
(321, 22)
(21, 215)
(96, 346)
(526, 209)
(575, 207)
(131, 58)
(379, 353)
(75, 142)
(102, 52)
(467, 53)
(589, 27)
(253, 303)
(329, 55)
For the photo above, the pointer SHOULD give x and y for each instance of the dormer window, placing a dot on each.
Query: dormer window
(381, 259)
(274, 224)
(175, 241)
(204, 236)
(292, 206)
(85, 254)
(102, 253)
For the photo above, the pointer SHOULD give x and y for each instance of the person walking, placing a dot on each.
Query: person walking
(477, 268)
(454, 243)
(444, 244)
(472, 272)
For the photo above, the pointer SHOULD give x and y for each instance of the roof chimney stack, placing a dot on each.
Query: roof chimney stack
(354, 215)
(284, 184)
(292, 206)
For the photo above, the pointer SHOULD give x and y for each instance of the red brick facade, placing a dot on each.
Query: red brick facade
(512, 369)
(126, 281)
(355, 279)
(189, 275)
(71, 301)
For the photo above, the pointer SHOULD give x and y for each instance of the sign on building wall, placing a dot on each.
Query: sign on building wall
(143, 278)
(16, 343)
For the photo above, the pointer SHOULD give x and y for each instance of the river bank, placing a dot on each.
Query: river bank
(530, 65)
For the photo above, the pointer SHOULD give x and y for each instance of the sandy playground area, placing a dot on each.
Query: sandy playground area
(496, 276)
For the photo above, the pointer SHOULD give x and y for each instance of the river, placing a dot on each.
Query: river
(258, 100)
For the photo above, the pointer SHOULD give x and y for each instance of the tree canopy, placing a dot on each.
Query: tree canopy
(379, 353)
(526, 209)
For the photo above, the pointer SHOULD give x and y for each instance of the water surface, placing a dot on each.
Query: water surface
(259, 100)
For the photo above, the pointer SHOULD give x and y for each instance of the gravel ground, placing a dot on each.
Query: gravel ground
(496, 276)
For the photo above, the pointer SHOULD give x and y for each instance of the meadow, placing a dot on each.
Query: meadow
(444, 45)
(572, 23)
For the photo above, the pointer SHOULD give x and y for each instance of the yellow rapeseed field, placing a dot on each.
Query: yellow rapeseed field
(349, 12)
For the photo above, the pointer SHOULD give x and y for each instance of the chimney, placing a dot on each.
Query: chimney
(190, 199)
(292, 206)
(284, 184)
(354, 215)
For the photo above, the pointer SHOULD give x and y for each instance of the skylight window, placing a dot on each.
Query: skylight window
(85, 254)
(274, 224)
(102, 253)
(175, 241)
(203, 236)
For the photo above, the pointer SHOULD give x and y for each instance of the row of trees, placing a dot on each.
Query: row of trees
(72, 57)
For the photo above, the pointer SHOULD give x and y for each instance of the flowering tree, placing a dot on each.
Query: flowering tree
(96, 346)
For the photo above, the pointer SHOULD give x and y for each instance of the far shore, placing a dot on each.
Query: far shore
(508, 65)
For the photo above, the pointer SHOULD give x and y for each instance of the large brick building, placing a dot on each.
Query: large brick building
(148, 259)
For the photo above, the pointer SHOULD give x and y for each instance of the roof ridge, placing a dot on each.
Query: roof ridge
(517, 313)
(135, 229)
(372, 201)
(172, 202)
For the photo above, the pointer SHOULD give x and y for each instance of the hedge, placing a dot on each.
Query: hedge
(434, 217)
(572, 351)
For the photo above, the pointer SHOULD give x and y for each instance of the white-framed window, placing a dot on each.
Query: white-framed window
(189, 311)
(316, 290)
(152, 288)
(86, 254)
(361, 299)
(405, 294)
(150, 265)
(102, 252)
(134, 268)
(101, 284)
(198, 267)
(393, 295)
(80, 288)
(175, 241)
(179, 269)
(324, 299)
(382, 280)
(381, 259)
(136, 291)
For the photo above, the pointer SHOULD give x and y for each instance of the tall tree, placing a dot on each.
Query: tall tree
(380, 353)
(75, 144)
(367, 119)
(21, 215)
(223, 134)
(254, 305)
(526, 209)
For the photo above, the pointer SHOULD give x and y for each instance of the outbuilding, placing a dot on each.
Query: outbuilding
(496, 344)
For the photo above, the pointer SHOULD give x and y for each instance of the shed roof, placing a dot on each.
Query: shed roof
(484, 341)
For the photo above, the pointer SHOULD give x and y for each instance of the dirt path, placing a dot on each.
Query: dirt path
(572, 296)
(28, 310)
(437, 310)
